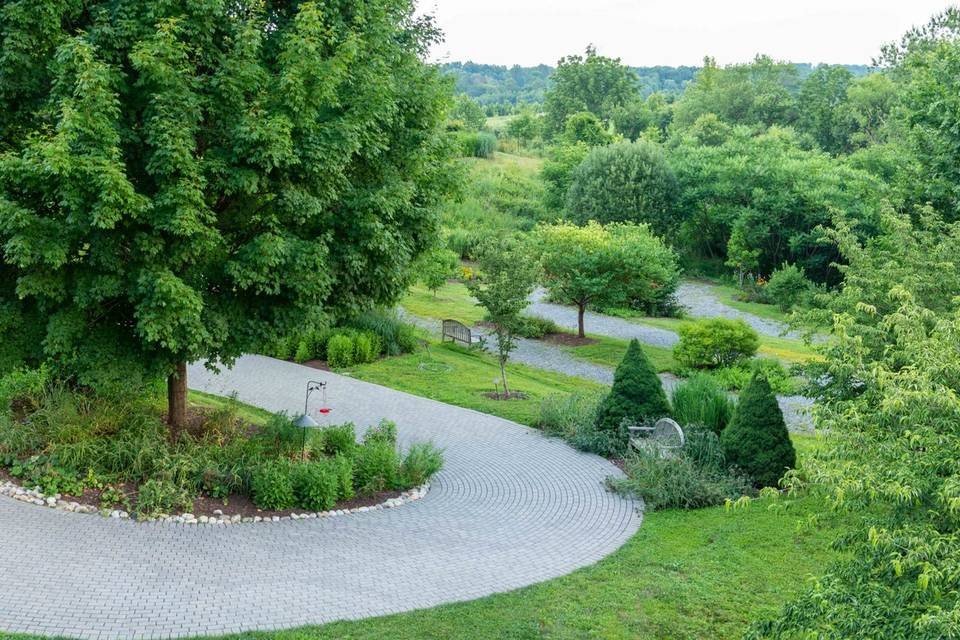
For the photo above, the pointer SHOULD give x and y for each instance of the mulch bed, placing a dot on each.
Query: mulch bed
(568, 339)
(317, 364)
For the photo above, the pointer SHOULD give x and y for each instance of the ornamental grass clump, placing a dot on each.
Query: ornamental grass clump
(757, 441)
(700, 400)
(636, 396)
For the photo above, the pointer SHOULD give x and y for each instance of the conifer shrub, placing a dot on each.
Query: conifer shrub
(757, 441)
(637, 396)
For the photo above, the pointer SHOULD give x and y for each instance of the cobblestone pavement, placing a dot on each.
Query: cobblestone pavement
(510, 508)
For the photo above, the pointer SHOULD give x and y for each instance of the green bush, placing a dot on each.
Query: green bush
(315, 485)
(756, 440)
(26, 386)
(375, 467)
(340, 351)
(738, 376)
(283, 348)
(478, 144)
(536, 328)
(366, 348)
(343, 468)
(339, 439)
(637, 396)
(395, 336)
(421, 462)
(788, 287)
(693, 477)
(700, 400)
(161, 496)
(385, 431)
(715, 342)
(272, 486)
(303, 352)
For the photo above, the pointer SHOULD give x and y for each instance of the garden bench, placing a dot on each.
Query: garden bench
(457, 332)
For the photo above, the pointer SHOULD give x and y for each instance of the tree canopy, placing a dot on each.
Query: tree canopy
(182, 181)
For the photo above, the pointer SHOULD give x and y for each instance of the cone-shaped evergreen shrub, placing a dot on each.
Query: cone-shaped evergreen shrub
(757, 440)
(637, 396)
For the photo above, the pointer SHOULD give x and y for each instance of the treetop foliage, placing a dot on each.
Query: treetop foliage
(184, 180)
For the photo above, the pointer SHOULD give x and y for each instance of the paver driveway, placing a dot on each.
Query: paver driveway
(509, 509)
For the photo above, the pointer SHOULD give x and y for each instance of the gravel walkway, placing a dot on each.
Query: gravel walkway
(700, 302)
(599, 324)
(509, 509)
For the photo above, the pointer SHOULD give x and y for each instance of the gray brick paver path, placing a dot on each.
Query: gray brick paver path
(510, 508)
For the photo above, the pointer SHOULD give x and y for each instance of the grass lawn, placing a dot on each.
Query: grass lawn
(460, 377)
(686, 574)
(727, 294)
(610, 351)
(246, 412)
(452, 301)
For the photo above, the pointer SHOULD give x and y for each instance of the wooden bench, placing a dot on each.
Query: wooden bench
(457, 332)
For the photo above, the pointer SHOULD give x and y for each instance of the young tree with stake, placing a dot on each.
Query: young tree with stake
(508, 275)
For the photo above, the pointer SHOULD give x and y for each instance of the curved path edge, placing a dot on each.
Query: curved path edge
(510, 508)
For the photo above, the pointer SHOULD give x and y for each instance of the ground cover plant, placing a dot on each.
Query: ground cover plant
(119, 450)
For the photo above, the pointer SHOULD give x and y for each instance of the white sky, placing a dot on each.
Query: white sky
(672, 32)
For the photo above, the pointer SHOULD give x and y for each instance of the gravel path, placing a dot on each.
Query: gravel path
(510, 508)
(700, 302)
(599, 324)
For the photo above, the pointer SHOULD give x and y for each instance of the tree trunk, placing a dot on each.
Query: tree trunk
(503, 377)
(581, 308)
(177, 397)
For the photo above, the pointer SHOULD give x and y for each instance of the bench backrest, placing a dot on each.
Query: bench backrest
(457, 331)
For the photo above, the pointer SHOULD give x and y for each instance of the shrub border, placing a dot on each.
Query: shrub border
(36, 497)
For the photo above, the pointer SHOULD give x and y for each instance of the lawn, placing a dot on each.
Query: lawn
(459, 376)
(727, 294)
(685, 574)
(451, 301)
(610, 351)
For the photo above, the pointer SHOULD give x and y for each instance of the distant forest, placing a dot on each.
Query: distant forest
(498, 85)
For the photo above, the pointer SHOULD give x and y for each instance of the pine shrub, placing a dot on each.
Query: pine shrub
(637, 396)
(756, 440)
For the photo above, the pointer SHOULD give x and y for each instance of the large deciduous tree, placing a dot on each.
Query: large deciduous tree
(182, 181)
(619, 265)
(591, 83)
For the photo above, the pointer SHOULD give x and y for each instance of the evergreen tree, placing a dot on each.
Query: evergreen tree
(637, 396)
(757, 440)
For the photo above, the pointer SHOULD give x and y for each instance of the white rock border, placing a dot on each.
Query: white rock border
(35, 496)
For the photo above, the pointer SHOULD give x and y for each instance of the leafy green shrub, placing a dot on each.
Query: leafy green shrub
(435, 267)
(692, 477)
(420, 463)
(564, 415)
(756, 440)
(283, 348)
(396, 336)
(700, 400)
(343, 469)
(375, 467)
(788, 287)
(303, 352)
(478, 144)
(340, 351)
(738, 376)
(366, 347)
(636, 396)
(715, 342)
(272, 486)
(339, 439)
(25, 386)
(161, 496)
(535, 327)
(385, 431)
(315, 485)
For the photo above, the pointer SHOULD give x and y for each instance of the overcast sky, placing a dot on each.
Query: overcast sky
(672, 32)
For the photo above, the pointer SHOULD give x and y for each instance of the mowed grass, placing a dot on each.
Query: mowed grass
(694, 575)
(460, 376)
(452, 301)
(728, 295)
(610, 351)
